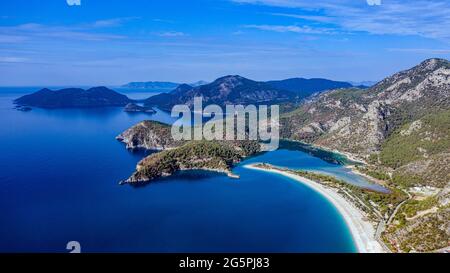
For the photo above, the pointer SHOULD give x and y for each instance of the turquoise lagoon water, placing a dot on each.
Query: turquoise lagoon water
(59, 174)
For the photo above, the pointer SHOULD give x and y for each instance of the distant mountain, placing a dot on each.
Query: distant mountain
(225, 90)
(74, 97)
(134, 108)
(366, 84)
(158, 86)
(302, 88)
(306, 87)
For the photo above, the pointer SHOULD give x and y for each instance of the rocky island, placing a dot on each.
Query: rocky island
(226, 90)
(217, 156)
(74, 98)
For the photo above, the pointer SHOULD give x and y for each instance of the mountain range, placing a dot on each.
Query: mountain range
(235, 89)
(226, 90)
(300, 87)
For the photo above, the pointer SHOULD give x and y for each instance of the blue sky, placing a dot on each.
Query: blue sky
(112, 42)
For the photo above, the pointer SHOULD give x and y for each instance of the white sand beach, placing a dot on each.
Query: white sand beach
(362, 230)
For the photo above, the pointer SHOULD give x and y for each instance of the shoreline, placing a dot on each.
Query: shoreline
(362, 230)
(348, 156)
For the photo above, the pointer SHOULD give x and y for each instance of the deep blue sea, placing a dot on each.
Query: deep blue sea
(59, 174)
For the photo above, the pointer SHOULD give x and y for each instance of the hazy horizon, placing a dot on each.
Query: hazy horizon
(92, 42)
(122, 85)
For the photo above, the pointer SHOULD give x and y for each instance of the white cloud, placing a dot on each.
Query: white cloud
(73, 2)
(114, 22)
(37, 31)
(163, 21)
(171, 34)
(316, 18)
(424, 18)
(239, 32)
(291, 28)
(108, 23)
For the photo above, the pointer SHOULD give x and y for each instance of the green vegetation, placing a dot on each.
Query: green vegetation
(373, 203)
(412, 207)
(416, 141)
(378, 174)
(406, 180)
(419, 151)
(401, 127)
(350, 94)
(194, 155)
(414, 232)
(425, 234)
(373, 158)
(384, 202)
